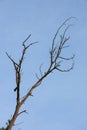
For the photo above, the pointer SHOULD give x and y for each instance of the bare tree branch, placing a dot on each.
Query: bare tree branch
(14, 63)
(54, 60)
(55, 64)
(67, 58)
(24, 111)
(17, 67)
(26, 40)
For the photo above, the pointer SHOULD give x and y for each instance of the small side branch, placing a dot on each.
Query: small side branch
(26, 39)
(14, 63)
(24, 111)
(67, 58)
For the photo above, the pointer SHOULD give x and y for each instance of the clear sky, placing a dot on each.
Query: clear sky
(60, 103)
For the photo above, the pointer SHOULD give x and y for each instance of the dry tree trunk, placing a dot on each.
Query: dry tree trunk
(55, 63)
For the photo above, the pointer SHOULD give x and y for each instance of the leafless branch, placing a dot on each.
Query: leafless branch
(24, 51)
(24, 111)
(26, 40)
(55, 57)
(65, 70)
(55, 64)
(67, 58)
(14, 63)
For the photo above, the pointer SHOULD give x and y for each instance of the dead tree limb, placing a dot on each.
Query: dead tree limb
(56, 59)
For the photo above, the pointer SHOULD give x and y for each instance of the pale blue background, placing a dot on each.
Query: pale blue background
(60, 103)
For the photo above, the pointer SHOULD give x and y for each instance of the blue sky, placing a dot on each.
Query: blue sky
(60, 103)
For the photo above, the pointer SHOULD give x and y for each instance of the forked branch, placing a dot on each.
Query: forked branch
(56, 59)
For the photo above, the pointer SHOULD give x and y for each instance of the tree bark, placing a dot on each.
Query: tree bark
(12, 121)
